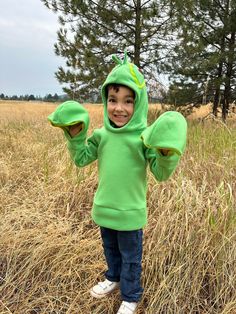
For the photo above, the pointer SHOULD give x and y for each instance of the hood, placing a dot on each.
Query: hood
(127, 74)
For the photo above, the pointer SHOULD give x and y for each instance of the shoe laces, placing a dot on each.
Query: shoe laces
(105, 284)
(130, 306)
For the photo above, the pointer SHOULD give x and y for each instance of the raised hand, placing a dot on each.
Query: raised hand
(75, 129)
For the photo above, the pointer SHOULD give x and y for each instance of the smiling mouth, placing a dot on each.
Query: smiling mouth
(120, 116)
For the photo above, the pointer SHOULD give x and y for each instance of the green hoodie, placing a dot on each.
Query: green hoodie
(124, 153)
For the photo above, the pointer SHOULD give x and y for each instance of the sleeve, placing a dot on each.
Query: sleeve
(82, 151)
(161, 166)
(169, 131)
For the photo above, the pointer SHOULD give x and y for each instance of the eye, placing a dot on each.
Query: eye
(130, 101)
(111, 100)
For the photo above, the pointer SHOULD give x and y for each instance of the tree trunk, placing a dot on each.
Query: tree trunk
(137, 42)
(216, 101)
(228, 78)
(219, 78)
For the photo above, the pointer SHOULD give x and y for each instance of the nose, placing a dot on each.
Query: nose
(119, 106)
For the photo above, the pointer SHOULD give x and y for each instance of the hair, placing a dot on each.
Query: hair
(116, 88)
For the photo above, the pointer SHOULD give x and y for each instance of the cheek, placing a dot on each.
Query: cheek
(131, 111)
(109, 110)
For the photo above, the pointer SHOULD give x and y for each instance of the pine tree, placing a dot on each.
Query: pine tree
(91, 31)
(205, 55)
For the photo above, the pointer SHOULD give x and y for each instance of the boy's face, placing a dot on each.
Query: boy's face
(120, 105)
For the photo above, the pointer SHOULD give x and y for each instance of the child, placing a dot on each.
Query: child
(124, 147)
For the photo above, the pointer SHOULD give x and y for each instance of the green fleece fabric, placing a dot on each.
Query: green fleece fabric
(124, 153)
(70, 113)
(171, 128)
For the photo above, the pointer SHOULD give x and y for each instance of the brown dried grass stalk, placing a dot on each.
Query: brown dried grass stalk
(50, 250)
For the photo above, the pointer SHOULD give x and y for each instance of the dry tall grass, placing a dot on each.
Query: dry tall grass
(50, 250)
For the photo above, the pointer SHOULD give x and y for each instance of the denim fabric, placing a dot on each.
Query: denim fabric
(123, 252)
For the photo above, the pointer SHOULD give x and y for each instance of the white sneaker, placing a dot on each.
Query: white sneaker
(103, 288)
(127, 308)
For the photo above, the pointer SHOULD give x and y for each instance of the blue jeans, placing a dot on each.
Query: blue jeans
(123, 252)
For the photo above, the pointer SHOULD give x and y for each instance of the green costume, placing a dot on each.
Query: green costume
(124, 153)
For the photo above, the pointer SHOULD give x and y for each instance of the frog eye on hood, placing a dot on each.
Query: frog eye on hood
(134, 71)
(118, 61)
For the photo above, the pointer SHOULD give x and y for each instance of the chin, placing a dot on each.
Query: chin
(120, 124)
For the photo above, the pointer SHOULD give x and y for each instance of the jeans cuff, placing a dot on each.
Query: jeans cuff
(113, 279)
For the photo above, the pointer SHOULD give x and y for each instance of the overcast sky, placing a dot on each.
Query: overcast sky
(27, 58)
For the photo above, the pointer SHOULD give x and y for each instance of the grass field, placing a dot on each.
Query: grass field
(50, 250)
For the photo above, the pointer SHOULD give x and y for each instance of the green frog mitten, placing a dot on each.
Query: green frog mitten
(168, 132)
(73, 119)
(68, 114)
